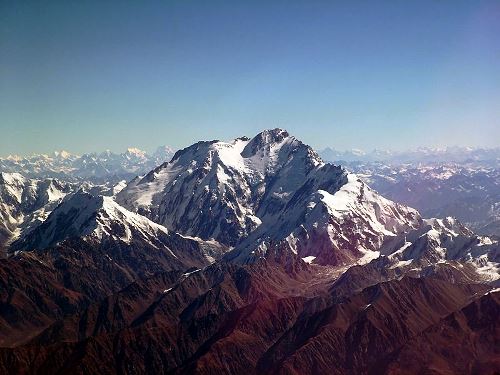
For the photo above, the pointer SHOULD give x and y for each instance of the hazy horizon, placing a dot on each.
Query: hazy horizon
(150, 151)
(90, 76)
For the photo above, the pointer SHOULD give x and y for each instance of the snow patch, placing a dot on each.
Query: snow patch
(309, 259)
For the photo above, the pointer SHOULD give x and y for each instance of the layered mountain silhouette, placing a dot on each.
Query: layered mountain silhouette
(252, 256)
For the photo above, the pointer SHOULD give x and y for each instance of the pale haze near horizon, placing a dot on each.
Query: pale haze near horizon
(89, 76)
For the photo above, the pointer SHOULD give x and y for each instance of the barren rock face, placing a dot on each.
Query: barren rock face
(248, 319)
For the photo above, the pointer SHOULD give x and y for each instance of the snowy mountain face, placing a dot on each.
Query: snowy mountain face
(340, 227)
(445, 241)
(25, 203)
(271, 190)
(94, 218)
(102, 167)
(100, 221)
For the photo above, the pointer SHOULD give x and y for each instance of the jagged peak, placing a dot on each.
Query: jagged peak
(192, 149)
(134, 151)
(63, 154)
(90, 216)
(264, 139)
(15, 158)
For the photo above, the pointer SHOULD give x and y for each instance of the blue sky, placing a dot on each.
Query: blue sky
(94, 75)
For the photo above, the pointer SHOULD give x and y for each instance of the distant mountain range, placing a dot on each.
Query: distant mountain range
(487, 156)
(107, 165)
(463, 182)
(97, 167)
(468, 191)
(251, 256)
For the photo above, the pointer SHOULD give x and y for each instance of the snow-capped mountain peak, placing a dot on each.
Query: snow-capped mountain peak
(213, 189)
(94, 218)
(135, 152)
(247, 192)
(63, 155)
